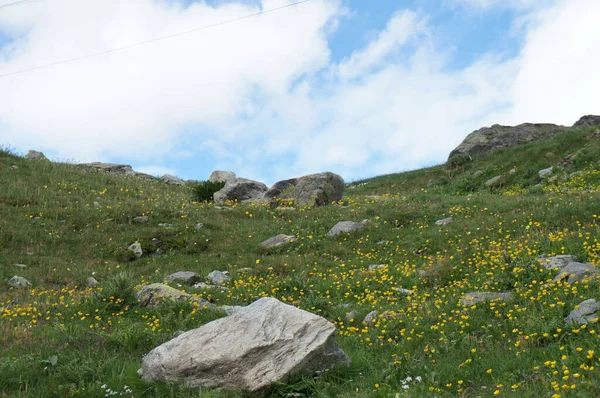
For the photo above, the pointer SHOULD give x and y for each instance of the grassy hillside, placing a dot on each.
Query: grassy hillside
(61, 338)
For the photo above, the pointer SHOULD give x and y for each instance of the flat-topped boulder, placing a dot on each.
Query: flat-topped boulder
(241, 190)
(222, 176)
(115, 168)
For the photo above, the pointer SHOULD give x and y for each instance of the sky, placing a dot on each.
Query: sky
(359, 88)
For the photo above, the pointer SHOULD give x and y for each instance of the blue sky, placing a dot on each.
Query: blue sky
(357, 87)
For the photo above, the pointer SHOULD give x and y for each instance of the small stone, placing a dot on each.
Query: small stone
(136, 248)
(244, 270)
(96, 204)
(403, 291)
(492, 181)
(14, 167)
(141, 219)
(373, 267)
(19, 282)
(512, 171)
(350, 316)
(91, 282)
(199, 226)
(444, 221)
(586, 311)
(545, 172)
(477, 297)
(277, 240)
(218, 277)
(575, 272)
(345, 227)
(21, 266)
(165, 225)
(202, 285)
(477, 173)
(370, 317)
(187, 277)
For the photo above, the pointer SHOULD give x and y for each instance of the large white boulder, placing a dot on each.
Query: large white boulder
(254, 347)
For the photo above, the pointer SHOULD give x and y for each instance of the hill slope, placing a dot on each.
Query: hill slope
(60, 338)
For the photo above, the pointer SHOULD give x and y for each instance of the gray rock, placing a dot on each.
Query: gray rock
(477, 173)
(493, 181)
(477, 297)
(489, 139)
(244, 270)
(199, 226)
(345, 227)
(512, 171)
(232, 309)
(444, 221)
(277, 240)
(222, 176)
(35, 155)
(545, 172)
(172, 180)
(374, 267)
(157, 293)
(370, 317)
(21, 266)
(575, 272)
(556, 262)
(19, 282)
(588, 120)
(401, 290)
(282, 186)
(114, 168)
(165, 225)
(218, 277)
(319, 189)
(96, 204)
(264, 343)
(187, 277)
(202, 285)
(91, 282)
(14, 167)
(141, 219)
(136, 248)
(350, 316)
(240, 190)
(586, 311)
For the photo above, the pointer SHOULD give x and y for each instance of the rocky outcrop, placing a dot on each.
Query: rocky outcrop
(35, 155)
(258, 345)
(319, 189)
(241, 190)
(588, 120)
(489, 139)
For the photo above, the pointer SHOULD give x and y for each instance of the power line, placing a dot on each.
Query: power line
(152, 40)
(17, 3)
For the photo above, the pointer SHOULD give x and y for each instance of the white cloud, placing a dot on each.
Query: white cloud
(263, 97)
(483, 5)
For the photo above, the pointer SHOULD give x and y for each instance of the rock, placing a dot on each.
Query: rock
(21, 266)
(264, 343)
(222, 176)
(370, 317)
(575, 272)
(232, 309)
(374, 267)
(444, 221)
(156, 293)
(141, 219)
(19, 282)
(493, 181)
(556, 262)
(512, 171)
(35, 155)
(545, 172)
(477, 297)
(91, 282)
(477, 173)
(281, 186)
(496, 137)
(350, 316)
(240, 190)
(346, 226)
(202, 285)
(136, 248)
(277, 240)
(401, 290)
(319, 189)
(113, 168)
(96, 204)
(172, 180)
(199, 226)
(588, 120)
(244, 270)
(14, 167)
(187, 277)
(576, 173)
(586, 311)
(218, 277)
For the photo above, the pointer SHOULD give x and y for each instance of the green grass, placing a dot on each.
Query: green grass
(62, 339)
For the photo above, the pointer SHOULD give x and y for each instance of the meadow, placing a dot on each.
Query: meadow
(60, 338)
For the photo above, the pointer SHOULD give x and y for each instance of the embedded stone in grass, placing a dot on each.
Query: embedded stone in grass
(444, 221)
(232, 309)
(545, 172)
(345, 227)
(19, 282)
(222, 176)
(218, 277)
(96, 204)
(557, 262)
(477, 297)
(350, 316)
(277, 240)
(202, 285)
(199, 226)
(492, 181)
(374, 267)
(165, 225)
(172, 180)
(319, 189)
(264, 343)
(141, 219)
(586, 311)
(401, 290)
(91, 282)
(575, 272)
(187, 277)
(370, 317)
(21, 266)
(136, 248)
(157, 293)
